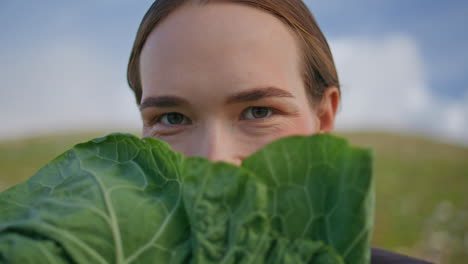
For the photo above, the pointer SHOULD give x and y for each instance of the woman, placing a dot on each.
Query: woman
(220, 79)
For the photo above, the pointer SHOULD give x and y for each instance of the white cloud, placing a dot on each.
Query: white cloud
(66, 86)
(385, 88)
(71, 86)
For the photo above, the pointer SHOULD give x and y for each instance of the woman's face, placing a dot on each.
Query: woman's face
(221, 81)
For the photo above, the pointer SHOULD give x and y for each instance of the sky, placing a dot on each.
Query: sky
(402, 65)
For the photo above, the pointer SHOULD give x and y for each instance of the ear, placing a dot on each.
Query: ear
(328, 108)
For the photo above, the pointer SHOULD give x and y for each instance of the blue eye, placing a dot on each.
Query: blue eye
(174, 119)
(257, 112)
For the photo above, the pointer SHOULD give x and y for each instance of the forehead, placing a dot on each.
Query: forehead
(220, 45)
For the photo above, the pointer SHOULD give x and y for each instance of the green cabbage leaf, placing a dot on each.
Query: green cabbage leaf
(121, 199)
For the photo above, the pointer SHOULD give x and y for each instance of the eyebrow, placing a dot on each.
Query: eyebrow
(163, 101)
(257, 94)
(241, 97)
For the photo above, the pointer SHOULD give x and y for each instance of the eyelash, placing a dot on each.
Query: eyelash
(273, 111)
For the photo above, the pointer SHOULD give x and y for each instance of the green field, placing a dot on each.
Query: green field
(421, 188)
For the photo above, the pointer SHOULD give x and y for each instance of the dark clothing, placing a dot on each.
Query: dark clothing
(380, 256)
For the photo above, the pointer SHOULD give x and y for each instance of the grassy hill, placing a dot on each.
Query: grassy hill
(421, 188)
